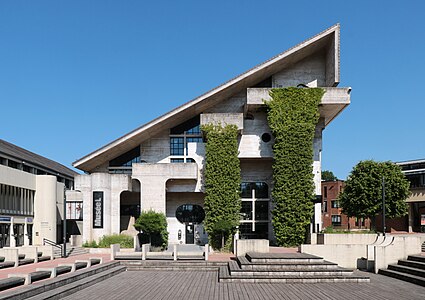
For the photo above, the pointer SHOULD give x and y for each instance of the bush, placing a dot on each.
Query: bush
(91, 244)
(153, 226)
(106, 241)
(125, 241)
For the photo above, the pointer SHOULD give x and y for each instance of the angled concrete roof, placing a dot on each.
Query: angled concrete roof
(31, 158)
(327, 40)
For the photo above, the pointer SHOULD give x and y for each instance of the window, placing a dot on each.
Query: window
(335, 204)
(255, 210)
(336, 220)
(254, 189)
(126, 159)
(74, 210)
(181, 135)
(190, 213)
(325, 206)
(325, 192)
(416, 180)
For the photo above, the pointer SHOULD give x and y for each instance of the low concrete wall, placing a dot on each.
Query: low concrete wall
(347, 256)
(399, 248)
(76, 240)
(244, 246)
(346, 238)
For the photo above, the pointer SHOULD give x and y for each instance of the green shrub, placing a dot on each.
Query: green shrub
(153, 226)
(292, 116)
(125, 241)
(91, 244)
(222, 184)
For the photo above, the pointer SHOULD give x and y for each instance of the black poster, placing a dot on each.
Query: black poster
(97, 209)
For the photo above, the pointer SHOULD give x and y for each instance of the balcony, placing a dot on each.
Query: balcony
(333, 102)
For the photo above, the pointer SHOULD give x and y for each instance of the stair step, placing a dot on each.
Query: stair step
(408, 270)
(236, 270)
(413, 264)
(61, 286)
(78, 285)
(8, 283)
(282, 258)
(245, 264)
(224, 276)
(403, 276)
(416, 258)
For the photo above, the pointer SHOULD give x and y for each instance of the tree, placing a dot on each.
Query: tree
(222, 184)
(362, 195)
(153, 226)
(328, 176)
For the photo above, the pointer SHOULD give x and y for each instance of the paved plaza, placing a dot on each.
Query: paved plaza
(204, 285)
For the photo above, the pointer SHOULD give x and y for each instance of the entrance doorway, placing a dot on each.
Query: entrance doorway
(4, 235)
(190, 233)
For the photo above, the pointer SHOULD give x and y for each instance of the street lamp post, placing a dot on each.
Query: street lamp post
(64, 223)
(383, 205)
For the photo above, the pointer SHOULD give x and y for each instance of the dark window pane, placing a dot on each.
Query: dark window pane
(246, 210)
(261, 231)
(191, 127)
(246, 190)
(126, 159)
(262, 210)
(261, 190)
(190, 213)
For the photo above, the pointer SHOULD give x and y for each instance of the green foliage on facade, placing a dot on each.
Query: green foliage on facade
(153, 226)
(328, 176)
(362, 195)
(222, 184)
(292, 116)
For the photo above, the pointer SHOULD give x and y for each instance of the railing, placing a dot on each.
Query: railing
(51, 243)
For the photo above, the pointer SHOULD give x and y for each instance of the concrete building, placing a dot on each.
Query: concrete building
(159, 165)
(32, 190)
(332, 215)
(414, 170)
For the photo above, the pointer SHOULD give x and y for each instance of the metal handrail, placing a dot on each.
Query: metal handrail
(51, 243)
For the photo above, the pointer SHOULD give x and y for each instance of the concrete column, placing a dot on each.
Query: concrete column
(12, 234)
(26, 235)
(45, 209)
(410, 217)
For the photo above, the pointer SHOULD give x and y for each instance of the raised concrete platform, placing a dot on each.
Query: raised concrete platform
(285, 268)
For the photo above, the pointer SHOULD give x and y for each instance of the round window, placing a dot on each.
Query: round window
(266, 137)
(190, 213)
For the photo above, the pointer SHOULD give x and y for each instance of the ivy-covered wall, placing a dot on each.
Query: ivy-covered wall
(292, 116)
(222, 184)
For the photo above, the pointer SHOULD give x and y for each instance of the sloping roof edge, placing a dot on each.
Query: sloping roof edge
(25, 155)
(335, 29)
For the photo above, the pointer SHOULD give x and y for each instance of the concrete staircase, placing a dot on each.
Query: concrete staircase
(70, 251)
(164, 265)
(285, 268)
(63, 285)
(411, 270)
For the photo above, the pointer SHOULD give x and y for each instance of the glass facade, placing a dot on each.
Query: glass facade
(181, 135)
(16, 200)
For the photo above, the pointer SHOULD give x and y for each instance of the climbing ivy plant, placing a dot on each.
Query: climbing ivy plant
(292, 116)
(222, 184)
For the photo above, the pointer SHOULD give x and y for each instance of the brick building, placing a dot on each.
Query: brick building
(332, 212)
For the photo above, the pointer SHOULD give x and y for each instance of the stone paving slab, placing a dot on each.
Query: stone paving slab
(204, 285)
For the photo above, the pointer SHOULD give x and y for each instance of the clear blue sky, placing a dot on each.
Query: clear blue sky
(75, 75)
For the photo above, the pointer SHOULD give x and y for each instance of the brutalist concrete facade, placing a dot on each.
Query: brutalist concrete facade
(162, 161)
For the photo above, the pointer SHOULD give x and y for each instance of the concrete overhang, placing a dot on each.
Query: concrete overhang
(168, 171)
(326, 42)
(333, 102)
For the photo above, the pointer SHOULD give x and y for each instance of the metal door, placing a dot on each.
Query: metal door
(190, 233)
